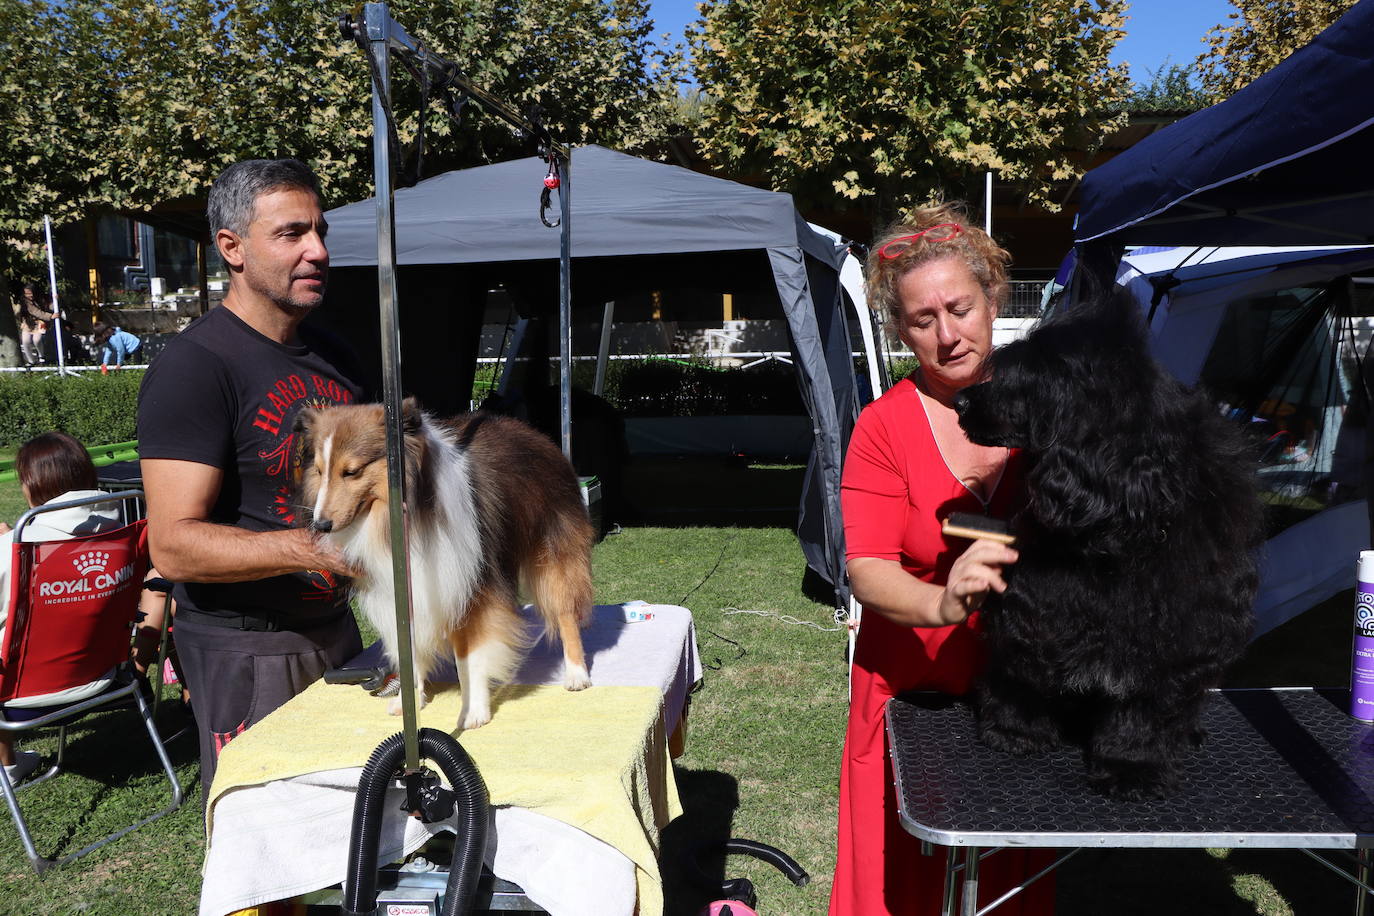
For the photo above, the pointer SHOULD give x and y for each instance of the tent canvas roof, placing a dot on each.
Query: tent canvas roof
(636, 223)
(621, 205)
(1284, 161)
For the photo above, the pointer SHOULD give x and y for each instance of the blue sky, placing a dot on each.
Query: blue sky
(1156, 30)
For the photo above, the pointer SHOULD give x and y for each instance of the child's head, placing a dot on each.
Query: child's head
(102, 331)
(52, 463)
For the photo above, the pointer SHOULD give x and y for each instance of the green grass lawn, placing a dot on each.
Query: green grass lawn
(763, 742)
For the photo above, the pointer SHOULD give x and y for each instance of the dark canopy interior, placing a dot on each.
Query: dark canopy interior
(636, 226)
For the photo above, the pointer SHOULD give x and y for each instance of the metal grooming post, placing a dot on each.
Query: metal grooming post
(381, 34)
(565, 307)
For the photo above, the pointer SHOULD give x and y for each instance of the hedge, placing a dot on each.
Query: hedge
(95, 409)
(100, 409)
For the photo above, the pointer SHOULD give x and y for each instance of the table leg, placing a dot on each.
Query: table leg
(970, 895)
(1362, 870)
(947, 907)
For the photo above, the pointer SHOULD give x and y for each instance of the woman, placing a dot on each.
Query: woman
(52, 468)
(939, 282)
(33, 320)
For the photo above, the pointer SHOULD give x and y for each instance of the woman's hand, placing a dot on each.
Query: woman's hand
(977, 571)
(5, 528)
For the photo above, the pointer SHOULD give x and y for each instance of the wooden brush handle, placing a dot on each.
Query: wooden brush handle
(973, 527)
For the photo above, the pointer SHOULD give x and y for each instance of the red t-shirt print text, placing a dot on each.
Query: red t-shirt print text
(285, 394)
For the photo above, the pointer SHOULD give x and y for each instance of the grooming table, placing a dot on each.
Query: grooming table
(1282, 768)
(589, 773)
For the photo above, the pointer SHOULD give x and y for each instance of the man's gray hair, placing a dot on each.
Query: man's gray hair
(238, 187)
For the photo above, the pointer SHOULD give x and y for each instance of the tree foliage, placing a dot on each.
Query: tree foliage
(122, 104)
(1260, 35)
(1170, 89)
(887, 104)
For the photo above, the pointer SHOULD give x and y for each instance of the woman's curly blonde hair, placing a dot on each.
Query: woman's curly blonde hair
(985, 259)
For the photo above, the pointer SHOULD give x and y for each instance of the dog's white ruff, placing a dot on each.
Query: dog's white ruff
(445, 563)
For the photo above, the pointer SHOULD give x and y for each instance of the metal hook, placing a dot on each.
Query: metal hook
(552, 182)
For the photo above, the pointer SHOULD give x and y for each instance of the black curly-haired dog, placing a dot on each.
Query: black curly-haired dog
(1137, 545)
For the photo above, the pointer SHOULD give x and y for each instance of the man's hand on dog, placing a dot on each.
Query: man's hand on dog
(976, 572)
(318, 552)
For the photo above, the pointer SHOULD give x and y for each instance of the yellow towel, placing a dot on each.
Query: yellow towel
(596, 759)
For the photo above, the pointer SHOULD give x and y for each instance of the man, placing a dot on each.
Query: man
(261, 606)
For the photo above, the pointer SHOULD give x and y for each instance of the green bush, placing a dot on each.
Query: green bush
(681, 387)
(95, 409)
(691, 388)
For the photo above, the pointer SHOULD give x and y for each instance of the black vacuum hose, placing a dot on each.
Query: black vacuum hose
(773, 856)
(360, 882)
(743, 888)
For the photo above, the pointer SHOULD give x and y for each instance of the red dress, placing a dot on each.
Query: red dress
(896, 488)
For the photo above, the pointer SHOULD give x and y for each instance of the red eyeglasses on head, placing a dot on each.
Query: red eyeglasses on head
(940, 232)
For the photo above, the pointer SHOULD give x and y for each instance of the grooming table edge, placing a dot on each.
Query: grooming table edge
(1282, 768)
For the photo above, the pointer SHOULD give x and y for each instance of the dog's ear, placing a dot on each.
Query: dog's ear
(411, 417)
(1097, 493)
(1067, 489)
(419, 486)
(302, 441)
(1150, 491)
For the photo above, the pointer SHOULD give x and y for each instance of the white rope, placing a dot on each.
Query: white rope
(785, 618)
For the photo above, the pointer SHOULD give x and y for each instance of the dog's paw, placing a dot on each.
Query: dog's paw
(1131, 781)
(474, 718)
(1020, 743)
(395, 706)
(575, 677)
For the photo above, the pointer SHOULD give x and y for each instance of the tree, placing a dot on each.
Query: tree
(273, 78)
(1261, 34)
(111, 104)
(1170, 89)
(52, 108)
(888, 104)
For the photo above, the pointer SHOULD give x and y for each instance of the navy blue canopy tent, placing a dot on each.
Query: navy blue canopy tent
(1284, 161)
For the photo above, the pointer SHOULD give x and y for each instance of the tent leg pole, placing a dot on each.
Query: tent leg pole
(603, 352)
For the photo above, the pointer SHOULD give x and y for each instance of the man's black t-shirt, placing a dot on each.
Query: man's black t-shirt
(224, 395)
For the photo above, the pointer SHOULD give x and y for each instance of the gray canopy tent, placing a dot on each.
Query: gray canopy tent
(637, 225)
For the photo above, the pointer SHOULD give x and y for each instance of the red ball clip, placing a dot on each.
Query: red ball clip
(551, 182)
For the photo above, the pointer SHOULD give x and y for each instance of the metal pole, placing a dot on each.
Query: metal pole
(52, 292)
(947, 906)
(603, 352)
(969, 906)
(377, 26)
(987, 204)
(1362, 868)
(565, 306)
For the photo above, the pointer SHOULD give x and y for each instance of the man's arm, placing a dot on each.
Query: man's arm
(187, 547)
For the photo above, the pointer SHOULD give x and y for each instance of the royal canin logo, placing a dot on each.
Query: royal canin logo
(95, 561)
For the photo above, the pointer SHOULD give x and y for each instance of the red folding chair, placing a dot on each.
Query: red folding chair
(65, 651)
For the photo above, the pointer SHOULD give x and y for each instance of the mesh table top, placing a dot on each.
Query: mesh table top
(1283, 768)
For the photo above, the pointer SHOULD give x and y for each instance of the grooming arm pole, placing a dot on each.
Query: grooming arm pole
(565, 306)
(379, 33)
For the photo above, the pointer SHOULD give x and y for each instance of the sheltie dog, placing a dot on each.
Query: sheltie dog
(493, 505)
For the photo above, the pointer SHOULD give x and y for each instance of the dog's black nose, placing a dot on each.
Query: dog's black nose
(322, 525)
(961, 403)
